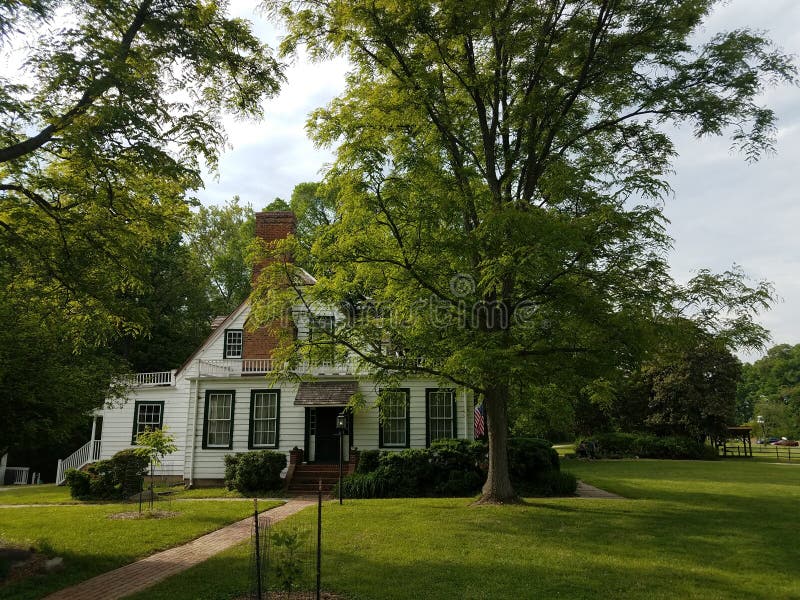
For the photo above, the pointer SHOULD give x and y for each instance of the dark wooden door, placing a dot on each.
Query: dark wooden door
(326, 443)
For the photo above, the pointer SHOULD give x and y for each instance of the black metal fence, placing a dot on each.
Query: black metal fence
(286, 557)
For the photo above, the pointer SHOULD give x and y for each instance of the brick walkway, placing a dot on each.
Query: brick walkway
(144, 573)
(589, 491)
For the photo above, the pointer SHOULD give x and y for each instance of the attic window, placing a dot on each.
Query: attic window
(322, 326)
(233, 343)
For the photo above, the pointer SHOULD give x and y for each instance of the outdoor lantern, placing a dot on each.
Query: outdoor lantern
(341, 422)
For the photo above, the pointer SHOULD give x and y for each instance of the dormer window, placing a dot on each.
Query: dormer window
(321, 327)
(233, 343)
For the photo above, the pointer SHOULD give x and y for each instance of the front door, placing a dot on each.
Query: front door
(323, 439)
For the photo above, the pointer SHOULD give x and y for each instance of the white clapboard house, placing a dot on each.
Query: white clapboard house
(221, 402)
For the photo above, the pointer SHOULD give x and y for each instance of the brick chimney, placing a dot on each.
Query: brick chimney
(271, 227)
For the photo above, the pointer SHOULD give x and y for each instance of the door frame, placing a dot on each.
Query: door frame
(308, 455)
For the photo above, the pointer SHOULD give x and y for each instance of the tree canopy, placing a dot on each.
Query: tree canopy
(770, 387)
(103, 135)
(499, 172)
(115, 109)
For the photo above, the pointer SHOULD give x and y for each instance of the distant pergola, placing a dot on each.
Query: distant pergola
(740, 434)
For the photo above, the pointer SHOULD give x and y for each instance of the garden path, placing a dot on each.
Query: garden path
(147, 572)
(589, 491)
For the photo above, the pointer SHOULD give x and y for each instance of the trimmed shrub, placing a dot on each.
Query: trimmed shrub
(535, 469)
(529, 458)
(231, 464)
(645, 445)
(256, 471)
(368, 461)
(551, 483)
(79, 483)
(447, 468)
(119, 477)
(456, 468)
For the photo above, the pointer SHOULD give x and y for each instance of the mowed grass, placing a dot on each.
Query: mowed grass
(705, 530)
(91, 543)
(36, 494)
(53, 494)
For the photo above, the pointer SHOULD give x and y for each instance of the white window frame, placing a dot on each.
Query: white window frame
(436, 400)
(214, 418)
(236, 345)
(140, 426)
(391, 423)
(256, 420)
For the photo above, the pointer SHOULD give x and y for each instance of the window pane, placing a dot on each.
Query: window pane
(148, 416)
(394, 407)
(219, 419)
(265, 418)
(233, 343)
(440, 414)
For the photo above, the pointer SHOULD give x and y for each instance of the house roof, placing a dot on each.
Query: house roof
(325, 393)
(218, 320)
(215, 331)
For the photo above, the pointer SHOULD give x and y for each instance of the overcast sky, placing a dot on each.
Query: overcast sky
(723, 210)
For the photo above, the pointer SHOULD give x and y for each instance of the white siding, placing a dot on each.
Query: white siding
(214, 348)
(118, 422)
(209, 462)
(365, 423)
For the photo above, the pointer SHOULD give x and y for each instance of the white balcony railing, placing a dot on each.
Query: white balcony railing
(157, 378)
(259, 366)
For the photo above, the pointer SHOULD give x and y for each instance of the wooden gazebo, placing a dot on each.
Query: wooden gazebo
(740, 434)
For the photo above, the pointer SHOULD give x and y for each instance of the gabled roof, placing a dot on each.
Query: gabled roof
(215, 333)
(219, 323)
(219, 320)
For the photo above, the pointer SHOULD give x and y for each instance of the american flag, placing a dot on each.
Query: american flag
(480, 422)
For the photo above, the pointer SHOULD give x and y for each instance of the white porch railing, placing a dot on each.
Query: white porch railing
(20, 474)
(153, 379)
(234, 367)
(219, 368)
(254, 366)
(88, 453)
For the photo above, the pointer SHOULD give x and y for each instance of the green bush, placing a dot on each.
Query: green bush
(79, 483)
(231, 464)
(549, 484)
(363, 485)
(456, 468)
(256, 471)
(368, 461)
(118, 477)
(530, 458)
(645, 445)
(447, 468)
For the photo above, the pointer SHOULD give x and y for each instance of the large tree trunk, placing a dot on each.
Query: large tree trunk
(498, 488)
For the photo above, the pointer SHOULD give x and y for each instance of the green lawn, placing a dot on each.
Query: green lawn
(36, 494)
(52, 494)
(91, 543)
(704, 530)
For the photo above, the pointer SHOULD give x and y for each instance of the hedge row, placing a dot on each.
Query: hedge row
(644, 445)
(455, 468)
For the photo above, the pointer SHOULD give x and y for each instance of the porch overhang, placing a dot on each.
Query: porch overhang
(325, 393)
